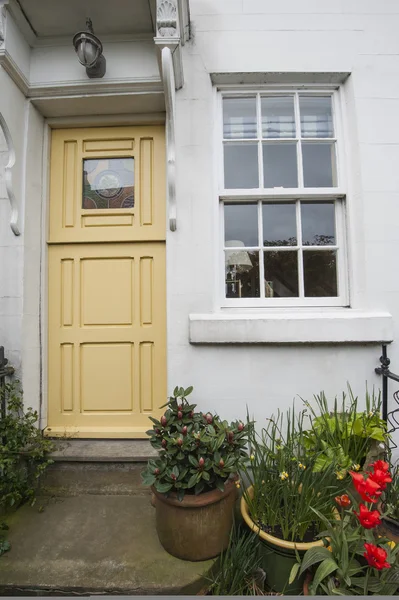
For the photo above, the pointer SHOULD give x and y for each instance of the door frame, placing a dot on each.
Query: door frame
(49, 124)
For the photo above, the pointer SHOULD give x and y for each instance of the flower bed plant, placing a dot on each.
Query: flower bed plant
(355, 559)
(283, 481)
(197, 452)
(343, 435)
(23, 450)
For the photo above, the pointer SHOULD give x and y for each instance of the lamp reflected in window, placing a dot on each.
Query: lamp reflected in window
(238, 266)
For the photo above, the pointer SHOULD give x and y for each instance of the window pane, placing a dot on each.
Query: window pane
(108, 183)
(279, 224)
(241, 224)
(281, 274)
(318, 223)
(319, 168)
(239, 118)
(280, 165)
(320, 273)
(241, 166)
(316, 117)
(278, 118)
(242, 274)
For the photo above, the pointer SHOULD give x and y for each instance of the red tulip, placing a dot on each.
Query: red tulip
(180, 415)
(164, 443)
(184, 430)
(368, 489)
(368, 518)
(343, 500)
(240, 426)
(209, 418)
(163, 421)
(376, 557)
(381, 477)
(201, 462)
(380, 464)
(179, 442)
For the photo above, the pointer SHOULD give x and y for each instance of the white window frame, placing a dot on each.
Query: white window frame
(338, 194)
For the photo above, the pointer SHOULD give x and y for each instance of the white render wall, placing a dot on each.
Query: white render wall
(232, 36)
(289, 36)
(12, 107)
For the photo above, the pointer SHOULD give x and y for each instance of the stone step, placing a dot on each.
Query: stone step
(96, 467)
(118, 451)
(92, 545)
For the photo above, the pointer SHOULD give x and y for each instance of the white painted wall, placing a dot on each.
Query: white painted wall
(239, 36)
(126, 61)
(357, 36)
(12, 107)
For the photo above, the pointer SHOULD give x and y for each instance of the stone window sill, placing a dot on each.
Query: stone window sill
(339, 326)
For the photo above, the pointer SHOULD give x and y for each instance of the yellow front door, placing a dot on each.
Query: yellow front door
(107, 288)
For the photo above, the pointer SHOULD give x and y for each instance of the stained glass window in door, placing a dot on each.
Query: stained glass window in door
(108, 183)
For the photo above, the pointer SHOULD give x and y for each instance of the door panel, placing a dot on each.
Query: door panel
(107, 288)
(107, 323)
(122, 171)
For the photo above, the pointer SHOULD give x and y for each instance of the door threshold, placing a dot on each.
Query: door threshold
(138, 433)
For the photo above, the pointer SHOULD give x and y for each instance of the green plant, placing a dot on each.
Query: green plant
(197, 452)
(355, 559)
(23, 450)
(284, 483)
(391, 495)
(343, 435)
(5, 545)
(237, 571)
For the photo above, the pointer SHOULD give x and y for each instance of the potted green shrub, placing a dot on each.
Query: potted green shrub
(356, 560)
(194, 477)
(282, 487)
(344, 435)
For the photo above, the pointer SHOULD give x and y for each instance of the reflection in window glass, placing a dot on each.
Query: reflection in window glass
(318, 223)
(241, 166)
(108, 183)
(280, 165)
(320, 273)
(319, 164)
(241, 224)
(239, 118)
(281, 274)
(242, 273)
(278, 118)
(316, 116)
(279, 224)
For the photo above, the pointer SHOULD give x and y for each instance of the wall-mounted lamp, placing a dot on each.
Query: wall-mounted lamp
(89, 50)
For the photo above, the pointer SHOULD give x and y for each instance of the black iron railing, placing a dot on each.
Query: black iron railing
(391, 417)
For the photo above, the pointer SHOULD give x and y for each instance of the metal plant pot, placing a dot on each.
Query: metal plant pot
(198, 527)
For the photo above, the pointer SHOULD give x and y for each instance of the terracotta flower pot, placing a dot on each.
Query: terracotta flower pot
(279, 555)
(198, 527)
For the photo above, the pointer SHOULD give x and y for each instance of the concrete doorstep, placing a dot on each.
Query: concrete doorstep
(92, 544)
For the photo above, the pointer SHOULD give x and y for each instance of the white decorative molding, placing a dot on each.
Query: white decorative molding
(167, 18)
(168, 79)
(11, 67)
(2, 25)
(8, 176)
(173, 30)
